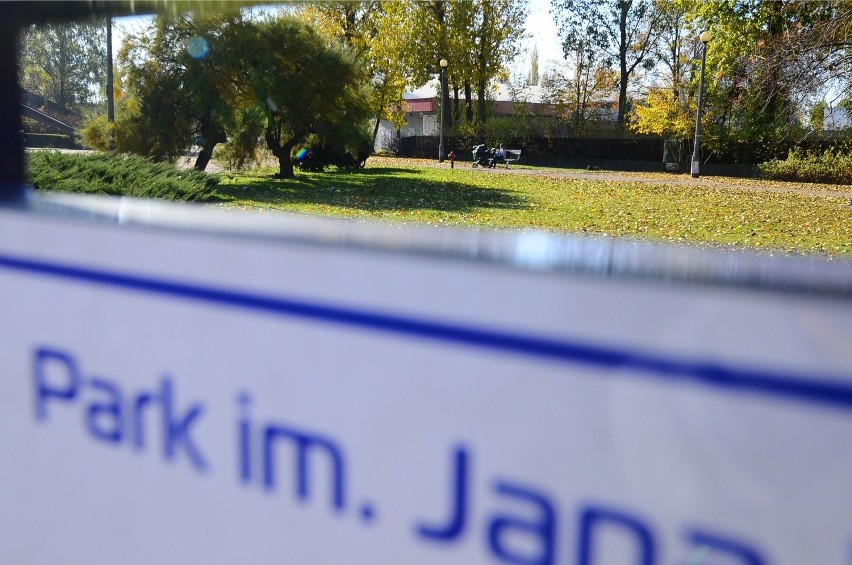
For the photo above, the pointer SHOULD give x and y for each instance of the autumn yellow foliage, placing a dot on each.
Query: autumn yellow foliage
(663, 114)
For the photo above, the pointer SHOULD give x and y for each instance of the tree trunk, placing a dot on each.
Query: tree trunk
(204, 156)
(456, 116)
(578, 90)
(272, 135)
(211, 133)
(772, 110)
(376, 130)
(285, 165)
(468, 101)
(349, 27)
(481, 71)
(480, 104)
(282, 152)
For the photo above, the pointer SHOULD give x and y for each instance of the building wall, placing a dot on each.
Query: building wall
(416, 124)
(422, 119)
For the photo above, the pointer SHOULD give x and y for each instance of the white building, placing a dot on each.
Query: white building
(422, 116)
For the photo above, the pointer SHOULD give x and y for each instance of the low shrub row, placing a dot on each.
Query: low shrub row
(125, 175)
(833, 166)
(345, 154)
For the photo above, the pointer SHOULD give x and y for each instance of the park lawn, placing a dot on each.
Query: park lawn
(718, 216)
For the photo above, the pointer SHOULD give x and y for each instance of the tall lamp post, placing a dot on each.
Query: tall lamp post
(705, 38)
(444, 64)
(110, 92)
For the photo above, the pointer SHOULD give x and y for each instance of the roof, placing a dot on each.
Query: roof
(501, 92)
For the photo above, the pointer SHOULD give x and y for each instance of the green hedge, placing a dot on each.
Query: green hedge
(125, 175)
(833, 166)
(54, 140)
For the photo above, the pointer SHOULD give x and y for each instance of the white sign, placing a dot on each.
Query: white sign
(179, 397)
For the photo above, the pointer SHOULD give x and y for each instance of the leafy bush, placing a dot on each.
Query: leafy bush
(245, 146)
(126, 175)
(833, 166)
(500, 129)
(95, 132)
(349, 150)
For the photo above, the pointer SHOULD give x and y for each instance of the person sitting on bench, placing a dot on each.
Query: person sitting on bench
(499, 157)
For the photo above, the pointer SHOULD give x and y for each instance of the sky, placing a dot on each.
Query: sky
(542, 30)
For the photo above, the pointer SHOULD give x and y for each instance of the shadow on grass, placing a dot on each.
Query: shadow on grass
(368, 189)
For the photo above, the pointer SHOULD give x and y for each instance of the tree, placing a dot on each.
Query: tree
(752, 93)
(845, 104)
(675, 49)
(662, 114)
(495, 37)
(620, 32)
(669, 108)
(355, 26)
(303, 86)
(533, 77)
(760, 70)
(224, 76)
(817, 116)
(478, 37)
(64, 63)
(769, 60)
(416, 35)
(184, 76)
(579, 90)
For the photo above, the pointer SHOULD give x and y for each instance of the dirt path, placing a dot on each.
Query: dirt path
(671, 179)
(638, 177)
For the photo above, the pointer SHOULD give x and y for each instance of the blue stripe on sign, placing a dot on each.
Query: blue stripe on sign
(800, 387)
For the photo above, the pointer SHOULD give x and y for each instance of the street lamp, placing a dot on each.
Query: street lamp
(110, 92)
(705, 38)
(443, 64)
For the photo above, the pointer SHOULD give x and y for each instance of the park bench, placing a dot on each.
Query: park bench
(512, 156)
(482, 157)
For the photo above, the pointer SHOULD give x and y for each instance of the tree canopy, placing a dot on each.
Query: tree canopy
(770, 62)
(478, 38)
(212, 78)
(355, 27)
(303, 86)
(332, 66)
(64, 63)
(181, 78)
(617, 32)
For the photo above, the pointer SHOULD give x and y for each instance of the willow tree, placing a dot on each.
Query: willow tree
(303, 85)
(184, 78)
(228, 77)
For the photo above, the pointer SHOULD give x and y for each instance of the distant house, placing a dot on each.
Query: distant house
(422, 116)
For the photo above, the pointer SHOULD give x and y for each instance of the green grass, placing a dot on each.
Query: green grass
(711, 212)
(724, 216)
